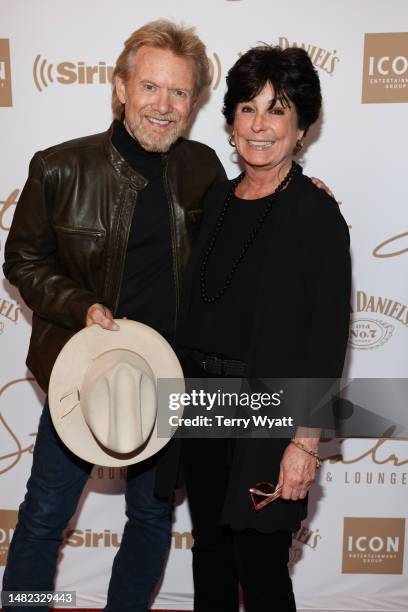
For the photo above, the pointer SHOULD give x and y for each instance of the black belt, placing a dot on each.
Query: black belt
(211, 364)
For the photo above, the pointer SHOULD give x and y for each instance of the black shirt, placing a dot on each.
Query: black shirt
(224, 327)
(148, 291)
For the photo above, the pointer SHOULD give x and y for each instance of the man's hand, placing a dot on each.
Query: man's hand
(321, 185)
(297, 473)
(99, 314)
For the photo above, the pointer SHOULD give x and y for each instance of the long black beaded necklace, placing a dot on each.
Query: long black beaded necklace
(262, 218)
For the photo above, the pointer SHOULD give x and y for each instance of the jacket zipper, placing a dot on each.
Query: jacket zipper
(96, 234)
(120, 276)
(173, 237)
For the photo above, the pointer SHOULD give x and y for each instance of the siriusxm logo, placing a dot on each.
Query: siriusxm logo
(69, 73)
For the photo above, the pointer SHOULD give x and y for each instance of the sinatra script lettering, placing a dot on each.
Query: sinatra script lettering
(10, 459)
(379, 252)
(372, 452)
(5, 205)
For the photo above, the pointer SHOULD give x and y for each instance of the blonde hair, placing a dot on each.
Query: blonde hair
(162, 34)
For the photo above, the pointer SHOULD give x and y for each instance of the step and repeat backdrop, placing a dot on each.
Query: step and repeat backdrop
(56, 62)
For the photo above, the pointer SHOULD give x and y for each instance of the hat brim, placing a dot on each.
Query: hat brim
(69, 371)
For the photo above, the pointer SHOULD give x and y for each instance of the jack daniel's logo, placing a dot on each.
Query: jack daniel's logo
(369, 332)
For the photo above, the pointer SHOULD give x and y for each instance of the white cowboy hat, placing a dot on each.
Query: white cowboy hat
(103, 392)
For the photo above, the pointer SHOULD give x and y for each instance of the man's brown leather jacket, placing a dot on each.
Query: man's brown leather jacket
(67, 244)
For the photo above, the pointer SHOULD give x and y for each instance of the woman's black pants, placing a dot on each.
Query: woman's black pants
(223, 558)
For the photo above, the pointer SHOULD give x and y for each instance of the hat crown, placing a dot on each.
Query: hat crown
(118, 400)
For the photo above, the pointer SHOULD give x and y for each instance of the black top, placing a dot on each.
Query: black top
(224, 328)
(148, 291)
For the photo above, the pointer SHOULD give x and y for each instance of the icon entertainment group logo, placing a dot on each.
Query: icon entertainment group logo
(373, 545)
(5, 73)
(8, 521)
(385, 68)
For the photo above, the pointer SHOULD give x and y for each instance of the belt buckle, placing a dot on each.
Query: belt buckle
(219, 365)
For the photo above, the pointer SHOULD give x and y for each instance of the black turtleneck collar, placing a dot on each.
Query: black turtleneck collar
(144, 162)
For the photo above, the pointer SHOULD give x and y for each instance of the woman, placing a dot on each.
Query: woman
(266, 295)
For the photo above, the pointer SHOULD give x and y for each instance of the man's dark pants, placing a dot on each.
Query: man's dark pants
(53, 491)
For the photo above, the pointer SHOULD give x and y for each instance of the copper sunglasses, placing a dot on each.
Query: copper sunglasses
(263, 493)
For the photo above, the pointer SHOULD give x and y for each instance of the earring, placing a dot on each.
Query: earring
(231, 140)
(298, 147)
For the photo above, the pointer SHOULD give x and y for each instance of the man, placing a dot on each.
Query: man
(103, 229)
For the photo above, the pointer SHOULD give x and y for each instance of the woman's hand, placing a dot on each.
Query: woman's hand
(297, 473)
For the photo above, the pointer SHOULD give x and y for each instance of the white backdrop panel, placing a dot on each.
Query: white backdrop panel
(358, 149)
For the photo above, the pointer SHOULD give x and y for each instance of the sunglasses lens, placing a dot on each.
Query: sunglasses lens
(267, 488)
(262, 494)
